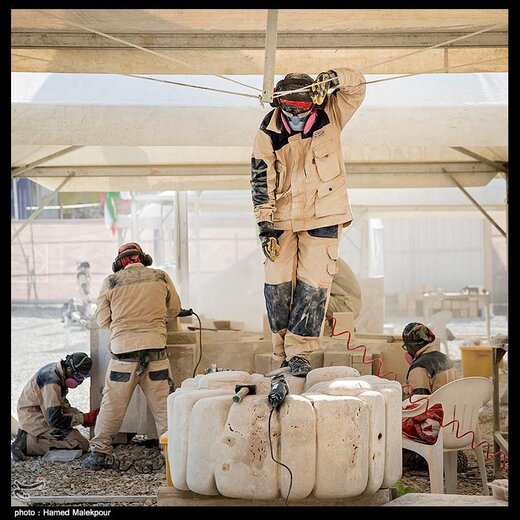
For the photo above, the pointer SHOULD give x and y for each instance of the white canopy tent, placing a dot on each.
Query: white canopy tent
(133, 134)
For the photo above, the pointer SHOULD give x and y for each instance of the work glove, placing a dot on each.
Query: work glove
(320, 90)
(89, 419)
(269, 239)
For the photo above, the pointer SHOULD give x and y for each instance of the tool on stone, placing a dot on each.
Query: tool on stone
(278, 392)
(189, 327)
(242, 390)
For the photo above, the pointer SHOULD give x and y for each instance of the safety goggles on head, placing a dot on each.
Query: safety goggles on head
(296, 108)
(297, 117)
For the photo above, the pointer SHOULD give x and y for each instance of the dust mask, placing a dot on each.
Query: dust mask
(70, 382)
(409, 358)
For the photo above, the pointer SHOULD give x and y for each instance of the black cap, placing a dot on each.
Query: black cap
(79, 362)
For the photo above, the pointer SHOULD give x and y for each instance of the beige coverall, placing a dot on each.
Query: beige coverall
(135, 303)
(299, 183)
(429, 371)
(46, 415)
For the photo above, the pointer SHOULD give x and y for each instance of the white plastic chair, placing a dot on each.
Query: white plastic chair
(461, 399)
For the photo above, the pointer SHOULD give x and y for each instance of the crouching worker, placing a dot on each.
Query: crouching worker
(136, 302)
(45, 416)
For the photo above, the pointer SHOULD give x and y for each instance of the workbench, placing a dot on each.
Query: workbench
(461, 304)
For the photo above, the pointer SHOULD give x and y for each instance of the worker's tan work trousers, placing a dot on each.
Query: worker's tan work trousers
(297, 286)
(120, 383)
(41, 444)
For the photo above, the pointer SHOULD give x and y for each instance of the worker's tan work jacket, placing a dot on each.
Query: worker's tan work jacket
(136, 303)
(43, 406)
(430, 370)
(298, 180)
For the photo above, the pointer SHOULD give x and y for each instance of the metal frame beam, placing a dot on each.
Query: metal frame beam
(233, 169)
(499, 166)
(24, 169)
(41, 207)
(479, 207)
(247, 40)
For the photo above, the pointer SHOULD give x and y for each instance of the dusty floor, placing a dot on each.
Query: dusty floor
(38, 337)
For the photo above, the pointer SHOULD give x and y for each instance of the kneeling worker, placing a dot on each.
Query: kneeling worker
(46, 418)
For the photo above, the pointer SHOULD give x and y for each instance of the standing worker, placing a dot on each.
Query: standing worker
(135, 302)
(45, 415)
(300, 200)
(83, 279)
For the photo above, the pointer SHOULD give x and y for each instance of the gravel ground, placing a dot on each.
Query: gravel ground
(38, 337)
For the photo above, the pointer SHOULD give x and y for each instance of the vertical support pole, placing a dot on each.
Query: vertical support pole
(134, 228)
(270, 54)
(15, 198)
(181, 246)
(496, 413)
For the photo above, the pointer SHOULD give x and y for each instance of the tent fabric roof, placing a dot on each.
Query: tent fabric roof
(143, 135)
(232, 41)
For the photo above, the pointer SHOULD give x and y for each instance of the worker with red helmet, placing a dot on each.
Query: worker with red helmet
(301, 205)
(136, 302)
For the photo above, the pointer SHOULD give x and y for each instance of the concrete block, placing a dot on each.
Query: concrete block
(344, 321)
(342, 433)
(183, 337)
(228, 325)
(447, 500)
(363, 367)
(182, 358)
(219, 336)
(232, 355)
(264, 363)
(331, 359)
(266, 328)
(168, 496)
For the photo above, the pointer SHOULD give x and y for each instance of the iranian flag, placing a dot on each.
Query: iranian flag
(109, 207)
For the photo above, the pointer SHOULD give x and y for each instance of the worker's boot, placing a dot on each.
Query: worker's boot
(19, 446)
(95, 461)
(299, 366)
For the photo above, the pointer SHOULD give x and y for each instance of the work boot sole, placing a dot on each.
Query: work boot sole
(18, 454)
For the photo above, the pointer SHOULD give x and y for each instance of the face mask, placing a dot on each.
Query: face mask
(70, 382)
(409, 358)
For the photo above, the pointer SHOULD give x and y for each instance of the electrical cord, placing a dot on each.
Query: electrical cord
(20, 490)
(277, 461)
(200, 343)
(490, 454)
(140, 464)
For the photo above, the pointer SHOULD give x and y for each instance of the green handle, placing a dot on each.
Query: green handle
(240, 394)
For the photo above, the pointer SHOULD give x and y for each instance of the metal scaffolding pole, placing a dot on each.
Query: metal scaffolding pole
(24, 169)
(181, 246)
(479, 207)
(42, 206)
(270, 54)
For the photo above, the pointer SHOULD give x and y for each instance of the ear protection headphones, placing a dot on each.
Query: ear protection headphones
(130, 249)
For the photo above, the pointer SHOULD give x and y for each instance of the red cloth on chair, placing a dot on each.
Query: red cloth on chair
(425, 426)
